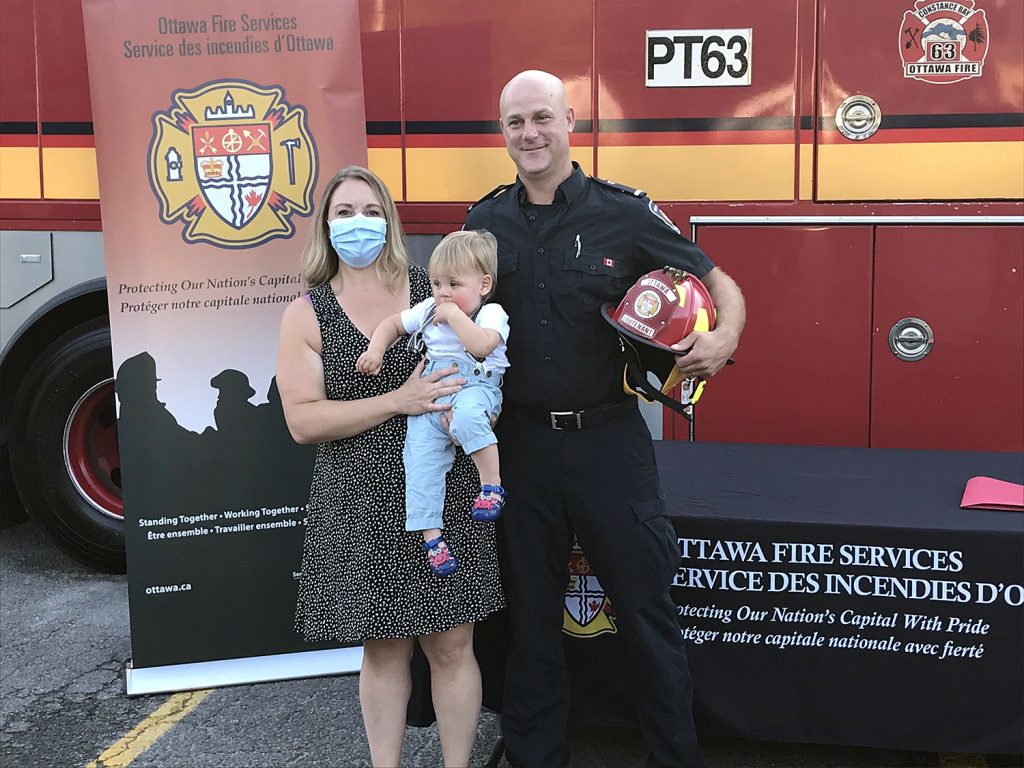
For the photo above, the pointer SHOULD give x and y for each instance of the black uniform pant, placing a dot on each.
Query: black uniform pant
(600, 484)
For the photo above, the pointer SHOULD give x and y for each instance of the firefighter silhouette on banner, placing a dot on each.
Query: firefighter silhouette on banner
(168, 467)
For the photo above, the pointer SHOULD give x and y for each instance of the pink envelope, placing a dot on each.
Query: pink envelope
(989, 493)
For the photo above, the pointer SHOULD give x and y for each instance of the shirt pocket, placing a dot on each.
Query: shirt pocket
(508, 261)
(596, 279)
(508, 289)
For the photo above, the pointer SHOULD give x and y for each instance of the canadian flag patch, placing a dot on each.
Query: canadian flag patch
(609, 262)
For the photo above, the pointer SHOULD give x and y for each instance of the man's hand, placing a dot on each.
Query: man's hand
(705, 353)
(370, 362)
(445, 311)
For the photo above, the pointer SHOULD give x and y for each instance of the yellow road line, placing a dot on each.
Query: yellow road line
(153, 726)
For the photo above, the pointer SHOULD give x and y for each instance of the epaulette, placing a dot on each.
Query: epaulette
(490, 195)
(620, 187)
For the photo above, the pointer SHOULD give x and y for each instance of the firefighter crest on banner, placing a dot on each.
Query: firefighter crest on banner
(943, 41)
(233, 162)
(588, 612)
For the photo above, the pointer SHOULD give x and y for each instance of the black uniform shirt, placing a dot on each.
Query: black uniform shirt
(556, 266)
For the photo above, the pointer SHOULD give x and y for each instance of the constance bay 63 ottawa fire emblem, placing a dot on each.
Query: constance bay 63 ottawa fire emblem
(944, 41)
(233, 162)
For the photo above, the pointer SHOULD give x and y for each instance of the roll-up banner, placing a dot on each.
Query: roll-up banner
(214, 124)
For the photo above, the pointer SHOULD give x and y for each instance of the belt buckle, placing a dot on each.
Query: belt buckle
(576, 424)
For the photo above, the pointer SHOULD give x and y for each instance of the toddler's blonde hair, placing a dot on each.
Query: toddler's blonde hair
(467, 250)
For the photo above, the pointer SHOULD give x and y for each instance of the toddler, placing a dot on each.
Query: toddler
(454, 327)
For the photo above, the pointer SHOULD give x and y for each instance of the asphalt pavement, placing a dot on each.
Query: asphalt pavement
(64, 646)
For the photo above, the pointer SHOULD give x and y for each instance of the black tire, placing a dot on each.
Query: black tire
(71, 376)
(12, 512)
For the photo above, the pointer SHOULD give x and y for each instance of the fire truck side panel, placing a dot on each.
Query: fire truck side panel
(27, 259)
(69, 152)
(936, 141)
(382, 91)
(699, 143)
(967, 283)
(19, 140)
(456, 56)
(807, 86)
(68, 261)
(802, 373)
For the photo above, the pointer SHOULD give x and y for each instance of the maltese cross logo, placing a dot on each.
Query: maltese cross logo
(232, 162)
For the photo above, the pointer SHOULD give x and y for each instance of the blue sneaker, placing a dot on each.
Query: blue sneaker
(489, 503)
(442, 561)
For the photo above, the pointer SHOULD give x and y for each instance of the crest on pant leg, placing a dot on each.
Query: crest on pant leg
(588, 611)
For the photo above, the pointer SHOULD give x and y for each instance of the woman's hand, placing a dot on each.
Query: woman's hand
(419, 392)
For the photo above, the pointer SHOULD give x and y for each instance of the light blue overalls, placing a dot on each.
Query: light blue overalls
(429, 451)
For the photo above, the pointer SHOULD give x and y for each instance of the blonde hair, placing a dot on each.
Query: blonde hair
(472, 249)
(320, 261)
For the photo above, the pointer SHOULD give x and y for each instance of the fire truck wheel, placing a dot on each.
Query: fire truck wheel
(64, 447)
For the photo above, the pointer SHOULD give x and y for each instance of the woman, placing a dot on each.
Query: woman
(364, 578)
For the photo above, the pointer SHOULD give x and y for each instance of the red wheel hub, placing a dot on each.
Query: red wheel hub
(90, 449)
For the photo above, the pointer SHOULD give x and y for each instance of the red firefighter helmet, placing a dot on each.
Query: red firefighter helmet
(661, 308)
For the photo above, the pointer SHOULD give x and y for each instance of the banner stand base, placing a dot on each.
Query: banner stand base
(254, 669)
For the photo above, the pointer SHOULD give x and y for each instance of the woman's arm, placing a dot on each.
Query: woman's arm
(311, 417)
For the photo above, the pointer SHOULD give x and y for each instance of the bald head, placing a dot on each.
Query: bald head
(534, 81)
(536, 121)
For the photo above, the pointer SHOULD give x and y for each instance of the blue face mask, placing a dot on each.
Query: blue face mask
(359, 239)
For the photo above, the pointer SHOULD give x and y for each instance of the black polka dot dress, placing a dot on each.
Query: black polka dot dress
(363, 575)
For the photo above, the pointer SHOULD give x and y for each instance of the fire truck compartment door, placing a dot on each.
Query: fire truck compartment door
(967, 285)
(948, 91)
(26, 263)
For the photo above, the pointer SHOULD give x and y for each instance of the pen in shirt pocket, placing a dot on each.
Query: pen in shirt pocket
(579, 246)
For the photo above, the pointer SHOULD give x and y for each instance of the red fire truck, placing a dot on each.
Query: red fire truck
(858, 167)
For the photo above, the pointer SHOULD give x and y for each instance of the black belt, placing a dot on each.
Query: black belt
(574, 420)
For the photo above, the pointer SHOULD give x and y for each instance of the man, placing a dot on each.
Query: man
(577, 457)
